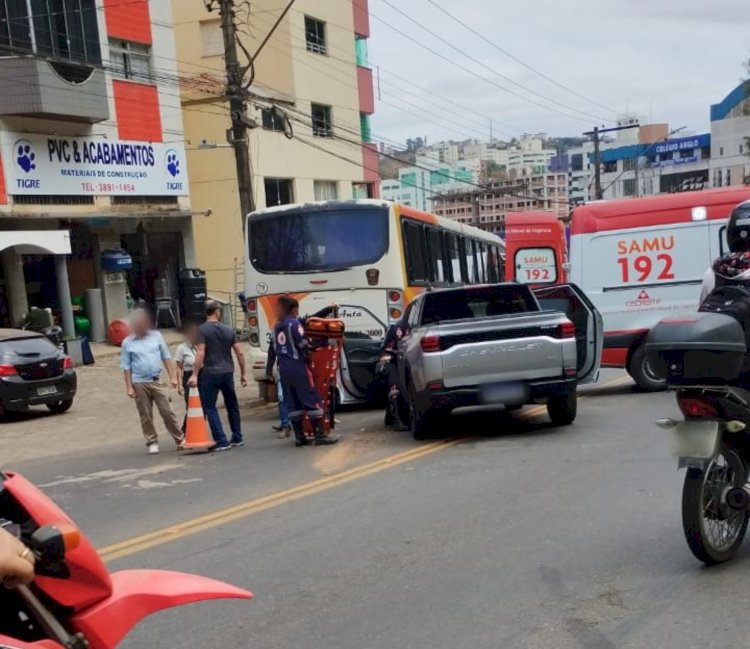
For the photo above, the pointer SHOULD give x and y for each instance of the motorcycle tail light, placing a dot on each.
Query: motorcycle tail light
(695, 408)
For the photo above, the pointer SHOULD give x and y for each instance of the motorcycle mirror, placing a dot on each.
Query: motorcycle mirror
(51, 542)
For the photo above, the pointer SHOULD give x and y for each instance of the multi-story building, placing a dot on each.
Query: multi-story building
(730, 130)
(92, 156)
(417, 185)
(311, 100)
(662, 166)
(486, 208)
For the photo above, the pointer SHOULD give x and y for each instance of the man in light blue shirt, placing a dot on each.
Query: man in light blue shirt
(144, 356)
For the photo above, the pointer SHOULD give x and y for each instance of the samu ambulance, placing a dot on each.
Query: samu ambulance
(643, 259)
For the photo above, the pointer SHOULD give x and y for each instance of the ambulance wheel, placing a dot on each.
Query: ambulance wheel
(648, 376)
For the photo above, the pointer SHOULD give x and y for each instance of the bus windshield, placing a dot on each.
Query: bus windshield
(318, 239)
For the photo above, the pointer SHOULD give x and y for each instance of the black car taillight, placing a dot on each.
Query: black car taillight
(8, 370)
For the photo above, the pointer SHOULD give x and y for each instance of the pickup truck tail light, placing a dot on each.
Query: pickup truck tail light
(566, 330)
(430, 344)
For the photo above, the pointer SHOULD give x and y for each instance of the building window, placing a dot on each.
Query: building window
(367, 190)
(628, 187)
(279, 191)
(130, 60)
(272, 119)
(325, 190)
(322, 126)
(361, 52)
(721, 150)
(365, 127)
(65, 30)
(315, 35)
(212, 38)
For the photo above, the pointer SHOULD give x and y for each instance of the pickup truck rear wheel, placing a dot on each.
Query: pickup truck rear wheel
(647, 376)
(420, 423)
(563, 408)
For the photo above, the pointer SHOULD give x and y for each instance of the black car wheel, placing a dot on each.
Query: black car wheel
(60, 406)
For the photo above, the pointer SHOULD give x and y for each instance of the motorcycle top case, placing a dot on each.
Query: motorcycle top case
(706, 348)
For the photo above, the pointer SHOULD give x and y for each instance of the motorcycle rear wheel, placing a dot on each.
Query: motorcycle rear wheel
(714, 531)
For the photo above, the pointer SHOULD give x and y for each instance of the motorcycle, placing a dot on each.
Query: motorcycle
(74, 602)
(706, 362)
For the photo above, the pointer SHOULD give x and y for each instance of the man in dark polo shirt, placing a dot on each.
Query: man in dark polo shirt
(213, 372)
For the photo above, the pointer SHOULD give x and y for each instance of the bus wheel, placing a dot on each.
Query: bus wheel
(647, 376)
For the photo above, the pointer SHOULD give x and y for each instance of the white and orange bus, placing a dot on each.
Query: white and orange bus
(642, 259)
(370, 258)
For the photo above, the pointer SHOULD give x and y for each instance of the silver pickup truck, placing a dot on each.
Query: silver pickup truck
(497, 347)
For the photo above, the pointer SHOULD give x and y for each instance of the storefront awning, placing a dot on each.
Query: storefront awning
(36, 242)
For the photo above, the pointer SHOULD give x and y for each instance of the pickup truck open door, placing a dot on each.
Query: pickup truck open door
(572, 301)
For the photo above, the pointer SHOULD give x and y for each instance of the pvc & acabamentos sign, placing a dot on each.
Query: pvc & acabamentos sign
(58, 165)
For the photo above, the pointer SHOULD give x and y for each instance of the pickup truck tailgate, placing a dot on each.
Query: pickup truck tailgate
(503, 349)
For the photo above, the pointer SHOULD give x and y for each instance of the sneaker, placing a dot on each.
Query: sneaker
(285, 432)
(239, 443)
(153, 449)
(181, 446)
(222, 447)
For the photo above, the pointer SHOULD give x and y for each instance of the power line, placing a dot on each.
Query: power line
(516, 59)
(477, 132)
(480, 63)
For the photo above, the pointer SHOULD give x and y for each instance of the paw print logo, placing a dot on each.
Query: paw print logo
(173, 164)
(25, 156)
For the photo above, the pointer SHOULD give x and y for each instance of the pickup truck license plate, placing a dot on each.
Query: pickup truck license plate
(697, 439)
(509, 394)
(50, 389)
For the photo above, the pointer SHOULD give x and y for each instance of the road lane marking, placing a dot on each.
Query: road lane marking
(243, 510)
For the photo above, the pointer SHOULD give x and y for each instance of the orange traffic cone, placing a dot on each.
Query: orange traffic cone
(196, 431)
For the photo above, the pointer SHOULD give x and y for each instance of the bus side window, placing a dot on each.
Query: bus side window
(462, 260)
(482, 260)
(471, 265)
(436, 256)
(723, 245)
(415, 252)
(454, 259)
(493, 274)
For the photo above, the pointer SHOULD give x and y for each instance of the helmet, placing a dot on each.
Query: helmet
(738, 228)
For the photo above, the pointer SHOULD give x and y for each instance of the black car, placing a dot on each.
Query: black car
(34, 372)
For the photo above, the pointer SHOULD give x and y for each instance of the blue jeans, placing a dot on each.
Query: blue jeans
(210, 385)
(283, 410)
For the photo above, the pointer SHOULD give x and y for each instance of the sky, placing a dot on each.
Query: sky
(667, 60)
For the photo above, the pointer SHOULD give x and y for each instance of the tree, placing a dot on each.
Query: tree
(414, 144)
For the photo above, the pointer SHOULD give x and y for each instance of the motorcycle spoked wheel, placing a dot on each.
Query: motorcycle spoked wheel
(714, 531)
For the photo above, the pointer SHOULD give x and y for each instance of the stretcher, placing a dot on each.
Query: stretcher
(323, 361)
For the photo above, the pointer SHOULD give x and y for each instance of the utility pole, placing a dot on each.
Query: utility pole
(598, 193)
(595, 136)
(235, 92)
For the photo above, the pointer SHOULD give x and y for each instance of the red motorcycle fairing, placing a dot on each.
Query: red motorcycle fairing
(89, 579)
(137, 594)
(6, 642)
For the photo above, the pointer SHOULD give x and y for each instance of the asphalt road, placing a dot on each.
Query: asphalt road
(521, 535)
